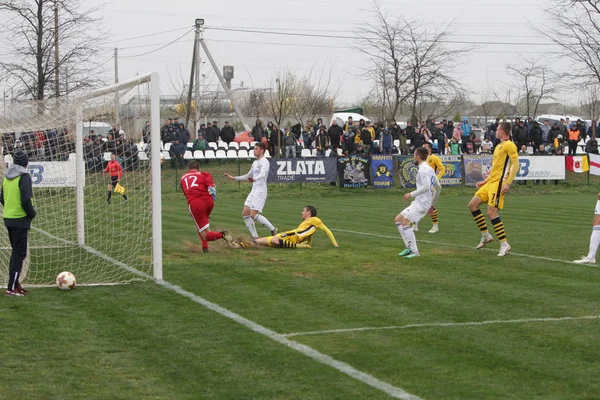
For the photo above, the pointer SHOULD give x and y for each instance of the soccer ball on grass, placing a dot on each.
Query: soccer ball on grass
(65, 280)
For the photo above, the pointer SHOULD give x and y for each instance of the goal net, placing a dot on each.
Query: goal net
(80, 227)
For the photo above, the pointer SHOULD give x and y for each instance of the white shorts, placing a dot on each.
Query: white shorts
(256, 201)
(414, 212)
(597, 210)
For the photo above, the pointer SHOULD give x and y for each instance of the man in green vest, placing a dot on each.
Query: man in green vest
(16, 196)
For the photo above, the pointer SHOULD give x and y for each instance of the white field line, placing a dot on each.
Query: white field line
(469, 247)
(340, 366)
(445, 324)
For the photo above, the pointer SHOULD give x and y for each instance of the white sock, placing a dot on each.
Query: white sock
(594, 241)
(486, 234)
(260, 218)
(251, 227)
(411, 240)
(401, 230)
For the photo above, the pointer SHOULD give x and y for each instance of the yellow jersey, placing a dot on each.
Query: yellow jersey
(307, 228)
(436, 163)
(504, 153)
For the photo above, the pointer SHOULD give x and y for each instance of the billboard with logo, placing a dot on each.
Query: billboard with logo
(477, 168)
(53, 173)
(302, 170)
(354, 171)
(382, 171)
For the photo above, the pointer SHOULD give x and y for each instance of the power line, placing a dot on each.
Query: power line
(349, 47)
(316, 35)
(162, 47)
(148, 35)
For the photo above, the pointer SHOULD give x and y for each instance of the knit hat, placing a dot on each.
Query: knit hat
(20, 158)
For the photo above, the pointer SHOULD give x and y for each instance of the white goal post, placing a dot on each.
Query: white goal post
(101, 235)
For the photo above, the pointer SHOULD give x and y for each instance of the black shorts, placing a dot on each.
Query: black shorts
(114, 180)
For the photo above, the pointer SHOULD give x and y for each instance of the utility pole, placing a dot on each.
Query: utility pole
(198, 37)
(56, 58)
(117, 117)
(198, 23)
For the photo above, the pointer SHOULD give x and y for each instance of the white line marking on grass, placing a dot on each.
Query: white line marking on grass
(469, 247)
(340, 366)
(347, 369)
(444, 324)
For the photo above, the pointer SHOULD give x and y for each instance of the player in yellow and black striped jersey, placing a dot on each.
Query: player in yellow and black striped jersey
(436, 163)
(301, 237)
(505, 165)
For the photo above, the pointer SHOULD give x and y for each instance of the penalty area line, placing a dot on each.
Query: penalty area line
(444, 324)
(557, 260)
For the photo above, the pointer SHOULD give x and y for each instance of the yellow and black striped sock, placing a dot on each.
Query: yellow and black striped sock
(434, 216)
(286, 244)
(479, 220)
(499, 229)
(248, 245)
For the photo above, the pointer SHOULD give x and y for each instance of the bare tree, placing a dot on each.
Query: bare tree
(429, 66)
(534, 84)
(576, 29)
(279, 101)
(211, 100)
(254, 103)
(591, 106)
(503, 101)
(314, 96)
(410, 62)
(383, 40)
(29, 36)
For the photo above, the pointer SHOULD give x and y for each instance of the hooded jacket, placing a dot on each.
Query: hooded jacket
(16, 195)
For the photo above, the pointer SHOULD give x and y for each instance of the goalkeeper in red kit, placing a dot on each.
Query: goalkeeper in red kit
(200, 192)
(116, 173)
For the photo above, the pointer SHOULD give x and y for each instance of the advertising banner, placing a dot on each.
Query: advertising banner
(53, 173)
(407, 171)
(477, 168)
(453, 174)
(354, 171)
(382, 171)
(302, 170)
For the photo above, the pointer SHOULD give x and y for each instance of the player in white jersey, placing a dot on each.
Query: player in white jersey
(255, 201)
(427, 192)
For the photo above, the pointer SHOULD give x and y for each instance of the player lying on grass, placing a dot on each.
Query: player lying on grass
(301, 237)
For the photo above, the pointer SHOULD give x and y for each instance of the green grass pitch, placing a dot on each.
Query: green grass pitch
(142, 341)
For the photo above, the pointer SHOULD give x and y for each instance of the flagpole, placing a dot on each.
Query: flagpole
(589, 167)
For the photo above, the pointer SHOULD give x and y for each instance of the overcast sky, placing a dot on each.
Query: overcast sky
(498, 31)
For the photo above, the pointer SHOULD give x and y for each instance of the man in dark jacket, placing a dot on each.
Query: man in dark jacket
(227, 133)
(409, 131)
(210, 135)
(395, 131)
(439, 136)
(335, 132)
(176, 152)
(536, 136)
(183, 135)
(16, 196)
(417, 140)
(258, 132)
(520, 136)
(216, 129)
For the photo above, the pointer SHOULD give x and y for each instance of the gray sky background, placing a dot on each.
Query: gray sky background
(499, 31)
